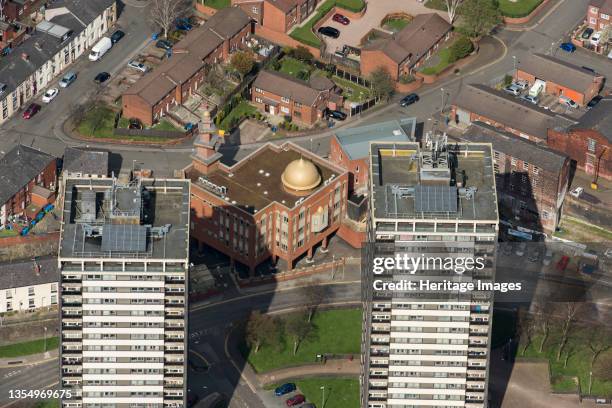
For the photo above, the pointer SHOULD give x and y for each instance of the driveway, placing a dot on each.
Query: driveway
(376, 11)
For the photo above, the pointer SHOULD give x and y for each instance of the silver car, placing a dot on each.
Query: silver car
(531, 99)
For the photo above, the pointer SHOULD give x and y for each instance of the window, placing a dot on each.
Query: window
(255, 10)
(9, 306)
(297, 104)
(284, 99)
(594, 10)
(513, 161)
(525, 166)
(4, 109)
(31, 291)
(9, 294)
(284, 109)
(258, 100)
(591, 145)
(545, 215)
(604, 16)
(259, 90)
(53, 287)
(31, 304)
(54, 299)
(593, 20)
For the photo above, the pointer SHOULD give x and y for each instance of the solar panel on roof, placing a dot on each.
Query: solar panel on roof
(124, 238)
(435, 199)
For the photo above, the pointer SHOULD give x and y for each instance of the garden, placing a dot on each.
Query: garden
(445, 56)
(508, 8)
(396, 22)
(217, 4)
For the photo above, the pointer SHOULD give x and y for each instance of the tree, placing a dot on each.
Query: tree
(451, 7)
(298, 328)
(164, 13)
(568, 312)
(603, 367)
(478, 17)
(598, 340)
(242, 62)
(543, 321)
(302, 53)
(261, 329)
(526, 327)
(461, 48)
(314, 294)
(381, 83)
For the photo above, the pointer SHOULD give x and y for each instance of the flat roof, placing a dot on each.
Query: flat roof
(104, 218)
(356, 141)
(402, 186)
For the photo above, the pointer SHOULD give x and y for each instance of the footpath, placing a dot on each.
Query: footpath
(342, 367)
(29, 359)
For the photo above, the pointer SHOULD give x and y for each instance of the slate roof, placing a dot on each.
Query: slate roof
(287, 86)
(508, 110)
(356, 141)
(18, 167)
(414, 40)
(22, 273)
(598, 118)
(515, 146)
(553, 69)
(86, 161)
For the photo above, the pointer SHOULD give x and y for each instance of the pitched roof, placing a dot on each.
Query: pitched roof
(86, 161)
(598, 118)
(515, 146)
(414, 40)
(18, 167)
(287, 86)
(285, 5)
(356, 141)
(510, 111)
(189, 53)
(553, 69)
(23, 272)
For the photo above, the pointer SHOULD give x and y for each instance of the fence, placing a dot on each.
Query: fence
(356, 110)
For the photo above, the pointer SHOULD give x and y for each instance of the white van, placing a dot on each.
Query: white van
(537, 88)
(100, 48)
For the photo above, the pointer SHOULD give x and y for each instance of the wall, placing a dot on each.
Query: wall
(28, 331)
(358, 168)
(373, 59)
(44, 295)
(526, 19)
(274, 18)
(283, 39)
(26, 247)
(580, 96)
(575, 145)
(200, 7)
(354, 238)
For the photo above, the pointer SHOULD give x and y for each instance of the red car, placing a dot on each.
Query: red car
(31, 111)
(339, 18)
(562, 264)
(296, 400)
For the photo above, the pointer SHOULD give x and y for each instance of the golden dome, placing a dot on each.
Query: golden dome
(301, 175)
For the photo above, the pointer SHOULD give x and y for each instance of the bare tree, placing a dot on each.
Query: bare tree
(298, 328)
(543, 321)
(261, 329)
(165, 12)
(314, 294)
(603, 367)
(451, 7)
(526, 327)
(567, 314)
(598, 340)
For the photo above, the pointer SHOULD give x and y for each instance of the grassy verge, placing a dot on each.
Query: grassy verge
(396, 24)
(444, 56)
(27, 348)
(352, 91)
(339, 392)
(295, 68)
(577, 230)
(241, 110)
(51, 403)
(98, 122)
(8, 233)
(217, 4)
(436, 4)
(518, 8)
(351, 5)
(324, 339)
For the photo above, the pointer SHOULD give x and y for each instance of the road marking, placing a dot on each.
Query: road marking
(19, 400)
(200, 356)
(227, 354)
(291, 309)
(29, 364)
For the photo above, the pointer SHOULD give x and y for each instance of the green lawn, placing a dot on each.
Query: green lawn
(217, 4)
(27, 348)
(396, 24)
(436, 4)
(98, 122)
(47, 404)
(351, 90)
(576, 230)
(444, 62)
(352, 5)
(325, 339)
(165, 125)
(242, 109)
(339, 392)
(8, 233)
(518, 8)
(293, 67)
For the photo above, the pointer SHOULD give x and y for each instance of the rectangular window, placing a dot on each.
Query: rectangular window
(54, 299)
(258, 100)
(9, 306)
(31, 303)
(284, 109)
(259, 90)
(31, 291)
(53, 287)
(255, 10)
(513, 161)
(591, 145)
(284, 99)
(605, 16)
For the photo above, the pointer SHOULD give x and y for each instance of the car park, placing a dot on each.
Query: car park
(522, 84)
(67, 79)
(577, 192)
(50, 95)
(586, 34)
(183, 24)
(329, 31)
(531, 99)
(520, 249)
(562, 264)
(164, 45)
(594, 101)
(295, 400)
(339, 18)
(548, 256)
(534, 256)
(336, 114)
(138, 66)
(102, 77)
(31, 111)
(284, 389)
(116, 36)
(568, 102)
(513, 89)
(409, 99)
(568, 47)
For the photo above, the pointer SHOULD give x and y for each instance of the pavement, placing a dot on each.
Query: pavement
(21, 361)
(341, 367)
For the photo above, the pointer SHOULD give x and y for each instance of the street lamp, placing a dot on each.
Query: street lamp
(442, 108)
(45, 346)
(514, 62)
(323, 396)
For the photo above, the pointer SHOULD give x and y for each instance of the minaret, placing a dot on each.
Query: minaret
(205, 155)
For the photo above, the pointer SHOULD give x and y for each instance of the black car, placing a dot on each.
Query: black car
(164, 45)
(594, 101)
(116, 36)
(102, 77)
(586, 34)
(135, 124)
(329, 31)
(409, 99)
(336, 114)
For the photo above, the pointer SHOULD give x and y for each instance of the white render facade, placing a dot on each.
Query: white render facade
(28, 298)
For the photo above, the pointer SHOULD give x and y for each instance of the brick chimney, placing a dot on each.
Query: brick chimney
(206, 157)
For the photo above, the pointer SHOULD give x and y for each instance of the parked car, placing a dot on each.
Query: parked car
(336, 114)
(101, 48)
(69, 78)
(586, 34)
(522, 84)
(594, 101)
(595, 38)
(513, 89)
(562, 264)
(569, 47)
(116, 36)
(531, 99)
(339, 18)
(409, 99)
(568, 102)
(50, 95)
(135, 124)
(520, 249)
(284, 389)
(102, 77)
(139, 66)
(296, 400)
(548, 256)
(31, 111)
(329, 31)
(183, 24)
(164, 44)
(577, 192)
(534, 256)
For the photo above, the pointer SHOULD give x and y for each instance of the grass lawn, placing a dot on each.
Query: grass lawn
(443, 55)
(293, 67)
(51, 403)
(165, 125)
(27, 348)
(436, 4)
(98, 122)
(396, 24)
(518, 8)
(326, 338)
(576, 230)
(217, 4)
(352, 5)
(8, 233)
(339, 392)
(351, 90)
(242, 109)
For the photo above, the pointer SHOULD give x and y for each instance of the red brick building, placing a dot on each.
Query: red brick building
(180, 75)
(279, 94)
(588, 142)
(598, 14)
(277, 15)
(27, 176)
(406, 50)
(561, 78)
(279, 202)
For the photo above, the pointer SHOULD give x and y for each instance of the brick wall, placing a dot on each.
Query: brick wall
(358, 169)
(578, 145)
(373, 59)
(580, 96)
(304, 114)
(274, 18)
